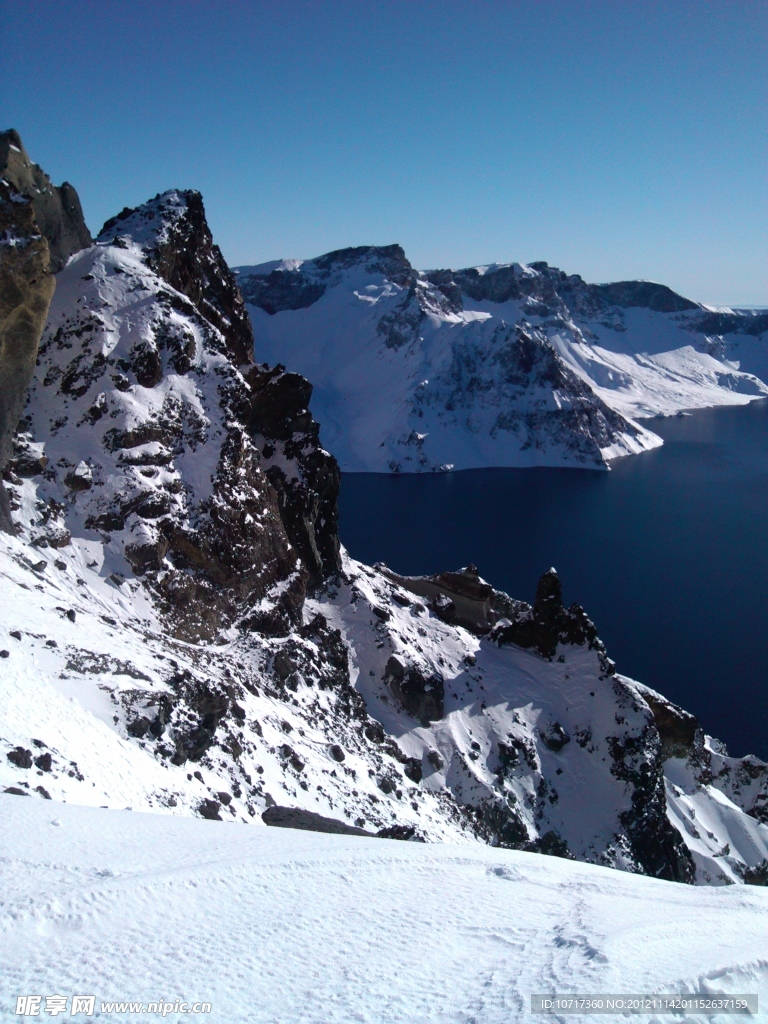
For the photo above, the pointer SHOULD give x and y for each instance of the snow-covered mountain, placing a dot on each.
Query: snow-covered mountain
(181, 631)
(504, 365)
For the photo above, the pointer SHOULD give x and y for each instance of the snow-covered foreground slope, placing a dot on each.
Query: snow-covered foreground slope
(505, 365)
(273, 925)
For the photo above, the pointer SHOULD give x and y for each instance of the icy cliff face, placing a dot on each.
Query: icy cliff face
(182, 633)
(505, 365)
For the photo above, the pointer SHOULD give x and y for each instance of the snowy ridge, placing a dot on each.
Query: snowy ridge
(501, 365)
(182, 634)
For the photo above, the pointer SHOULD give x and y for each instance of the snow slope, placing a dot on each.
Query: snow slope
(273, 925)
(504, 365)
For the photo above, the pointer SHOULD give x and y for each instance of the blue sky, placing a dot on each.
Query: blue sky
(612, 139)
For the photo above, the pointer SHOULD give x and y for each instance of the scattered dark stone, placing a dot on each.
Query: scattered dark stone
(290, 755)
(758, 874)
(15, 791)
(71, 615)
(51, 643)
(283, 664)
(39, 743)
(138, 727)
(337, 753)
(381, 613)
(20, 756)
(554, 736)
(374, 731)
(5, 654)
(295, 817)
(444, 608)
(226, 798)
(40, 566)
(412, 769)
(435, 760)
(16, 634)
(419, 695)
(407, 833)
(210, 809)
(286, 727)
(43, 762)
(43, 792)
(554, 845)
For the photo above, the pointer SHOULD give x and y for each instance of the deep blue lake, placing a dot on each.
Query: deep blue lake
(668, 553)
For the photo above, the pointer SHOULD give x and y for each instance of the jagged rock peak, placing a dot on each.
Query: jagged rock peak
(173, 232)
(57, 209)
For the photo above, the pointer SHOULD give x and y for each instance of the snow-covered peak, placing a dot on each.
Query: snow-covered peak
(150, 224)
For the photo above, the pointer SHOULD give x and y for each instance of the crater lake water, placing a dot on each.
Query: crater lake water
(667, 552)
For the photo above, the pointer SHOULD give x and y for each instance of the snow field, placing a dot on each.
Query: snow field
(277, 925)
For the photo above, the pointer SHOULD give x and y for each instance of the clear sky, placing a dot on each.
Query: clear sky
(616, 139)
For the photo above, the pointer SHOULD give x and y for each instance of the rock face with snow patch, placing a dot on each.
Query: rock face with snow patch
(42, 226)
(504, 365)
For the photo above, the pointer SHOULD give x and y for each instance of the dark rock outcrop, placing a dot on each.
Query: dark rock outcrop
(304, 476)
(57, 210)
(26, 287)
(42, 225)
(309, 821)
(549, 623)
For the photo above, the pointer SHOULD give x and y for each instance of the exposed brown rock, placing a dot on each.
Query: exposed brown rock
(57, 209)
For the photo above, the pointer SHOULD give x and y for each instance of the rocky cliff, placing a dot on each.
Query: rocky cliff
(57, 210)
(41, 226)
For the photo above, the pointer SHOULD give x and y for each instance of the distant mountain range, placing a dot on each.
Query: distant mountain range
(503, 365)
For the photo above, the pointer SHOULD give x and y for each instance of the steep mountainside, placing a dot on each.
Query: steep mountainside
(182, 633)
(506, 365)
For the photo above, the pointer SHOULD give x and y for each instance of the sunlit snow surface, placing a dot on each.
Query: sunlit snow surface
(288, 927)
